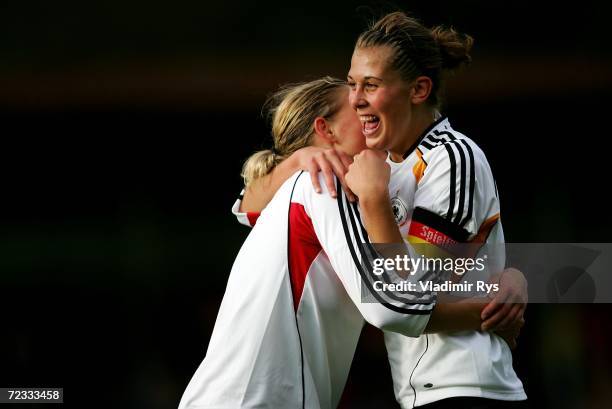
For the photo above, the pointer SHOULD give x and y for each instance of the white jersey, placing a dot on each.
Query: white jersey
(443, 192)
(292, 313)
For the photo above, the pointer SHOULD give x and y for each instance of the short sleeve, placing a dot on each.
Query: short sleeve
(455, 195)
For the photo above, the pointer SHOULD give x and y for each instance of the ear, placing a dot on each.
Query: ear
(323, 130)
(421, 90)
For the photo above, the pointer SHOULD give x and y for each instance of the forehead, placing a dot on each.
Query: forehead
(370, 61)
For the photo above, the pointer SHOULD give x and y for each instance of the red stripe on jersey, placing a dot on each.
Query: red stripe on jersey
(252, 216)
(304, 247)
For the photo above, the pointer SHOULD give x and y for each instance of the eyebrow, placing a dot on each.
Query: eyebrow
(369, 77)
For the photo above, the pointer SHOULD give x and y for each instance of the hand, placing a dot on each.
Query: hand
(328, 161)
(368, 177)
(511, 333)
(506, 309)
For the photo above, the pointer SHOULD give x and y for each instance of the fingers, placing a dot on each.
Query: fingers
(339, 167)
(511, 334)
(497, 318)
(330, 162)
(345, 162)
(313, 170)
(328, 177)
(496, 312)
(511, 318)
(495, 304)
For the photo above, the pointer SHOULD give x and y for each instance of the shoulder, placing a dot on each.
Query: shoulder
(447, 147)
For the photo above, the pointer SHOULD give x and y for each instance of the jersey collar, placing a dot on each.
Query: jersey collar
(424, 134)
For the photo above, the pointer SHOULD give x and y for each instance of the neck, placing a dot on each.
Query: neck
(422, 118)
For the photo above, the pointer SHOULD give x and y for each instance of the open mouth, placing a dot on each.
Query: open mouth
(369, 124)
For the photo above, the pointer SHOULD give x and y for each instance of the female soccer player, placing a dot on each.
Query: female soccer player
(440, 182)
(292, 312)
(445, 182)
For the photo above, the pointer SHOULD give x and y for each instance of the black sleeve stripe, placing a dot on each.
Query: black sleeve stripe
(453, 178)
(436, 141)
(367, 260)
(374, 254)
(427, 145)
(441, 224)
(465, 201)
(341, 207)
(462, 183)
(468, 216)
(448, 135)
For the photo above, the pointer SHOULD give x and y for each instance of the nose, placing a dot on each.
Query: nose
(356, 98)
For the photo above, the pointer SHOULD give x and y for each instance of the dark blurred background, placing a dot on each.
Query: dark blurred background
(124, 126)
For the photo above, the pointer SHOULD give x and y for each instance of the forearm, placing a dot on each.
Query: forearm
(379, 220)
(449, 315)
(260, 191)
(455, 316)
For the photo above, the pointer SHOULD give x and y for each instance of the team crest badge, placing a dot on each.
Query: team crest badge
(400, 210)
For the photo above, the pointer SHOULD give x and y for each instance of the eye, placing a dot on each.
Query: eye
(351, 84)
(370, 86)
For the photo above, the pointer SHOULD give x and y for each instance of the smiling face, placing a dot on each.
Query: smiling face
(381, 98)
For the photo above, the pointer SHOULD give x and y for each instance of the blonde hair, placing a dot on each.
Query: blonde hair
(293, 110)
(418, 50)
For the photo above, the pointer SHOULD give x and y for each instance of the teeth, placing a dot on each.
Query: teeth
(367, 118)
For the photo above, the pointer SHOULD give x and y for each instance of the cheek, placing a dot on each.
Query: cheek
(354, 136)
(388, 103)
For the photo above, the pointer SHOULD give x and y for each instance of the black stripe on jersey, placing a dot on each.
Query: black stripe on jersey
(364, 241)
(423, 135)
(297, 326)
(441, 224)
(453, 178)
(341, 207)
(462, 182)
(448, 135)
(427, 145)
(468, 216)
(424, 161)
(374, 255)
(435, 139)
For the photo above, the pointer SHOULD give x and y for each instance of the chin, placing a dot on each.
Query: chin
(376, 143)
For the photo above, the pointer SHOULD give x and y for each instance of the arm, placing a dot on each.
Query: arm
(509, 304)
(369, 178)
(473, 217)
(311, 159)
(259, 193)
(455, 316)
(337, 228)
